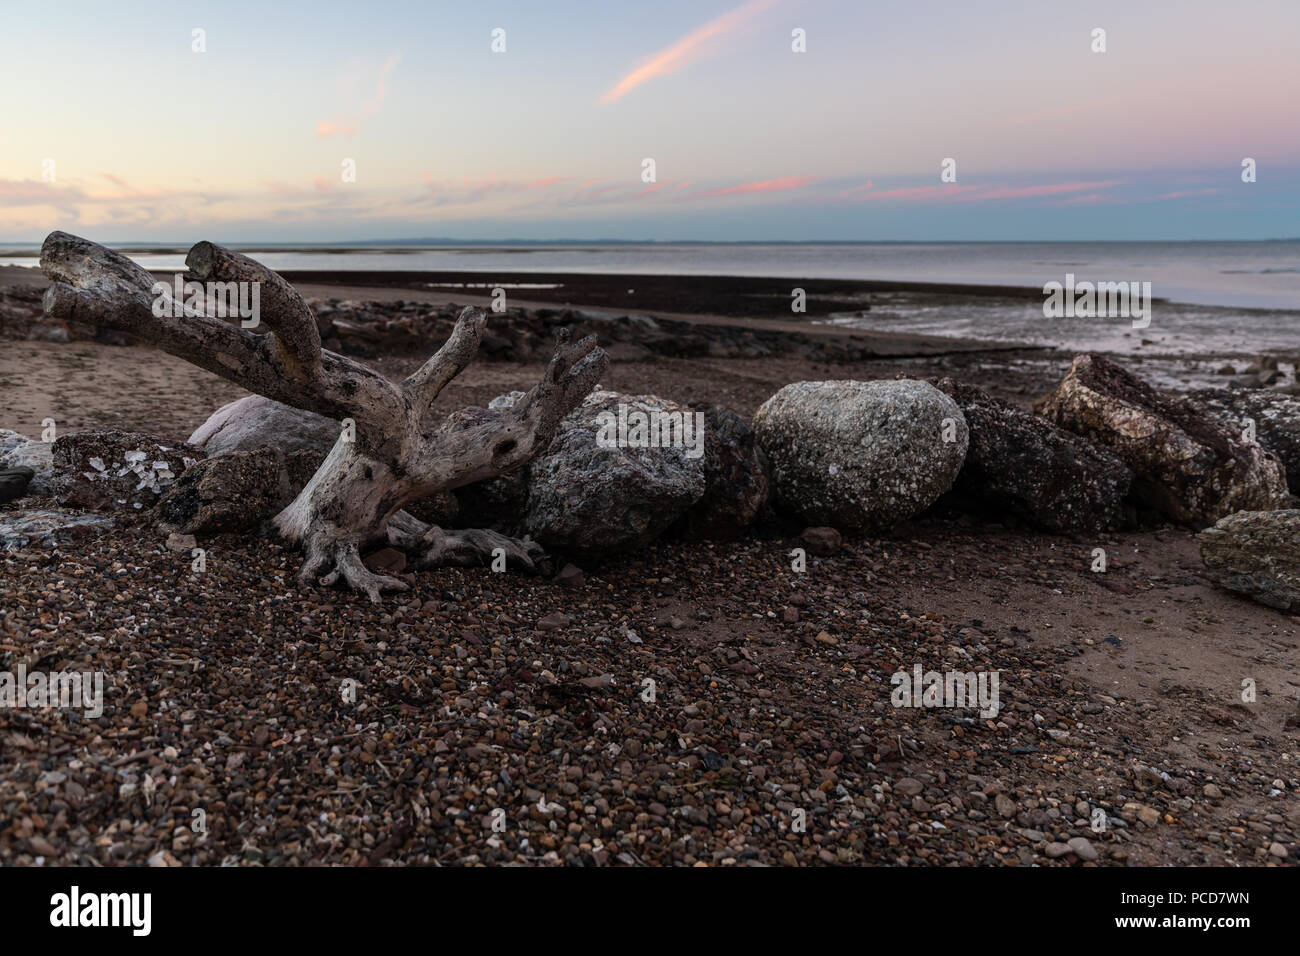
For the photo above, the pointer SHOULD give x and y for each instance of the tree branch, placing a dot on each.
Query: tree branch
(503, 440)
(282, 310)
(422, 387)
(100, 287)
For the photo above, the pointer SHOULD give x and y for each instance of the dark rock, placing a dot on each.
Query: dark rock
(14, 482)
(1186, 465)
(236, 491)
(1276, 417)
(585, 499)
(441, 509)
(735, 478)
(1024, 464)
(19, 451)
(116, 470)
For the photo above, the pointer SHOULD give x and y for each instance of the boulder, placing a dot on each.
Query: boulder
(19, 451)
(1256, 553)
(861, 455)
(1276, 416)
(236, 491)
(588, 497)
(117, 470)
(1185, 464)
(735, 477)
(1024, 464)
(255, 421)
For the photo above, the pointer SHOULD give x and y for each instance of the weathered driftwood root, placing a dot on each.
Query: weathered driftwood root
(401, 451)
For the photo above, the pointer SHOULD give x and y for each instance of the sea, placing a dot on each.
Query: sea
(1213, 297)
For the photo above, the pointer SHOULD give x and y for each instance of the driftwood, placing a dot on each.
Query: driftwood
(400, 453)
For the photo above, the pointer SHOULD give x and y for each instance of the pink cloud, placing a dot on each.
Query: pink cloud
(983, 192)
(783, 184)
(325, 129)
(346, 126)
(686, 50)
(1188, 193)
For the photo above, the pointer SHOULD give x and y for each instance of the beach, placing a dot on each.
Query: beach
(1120, 691)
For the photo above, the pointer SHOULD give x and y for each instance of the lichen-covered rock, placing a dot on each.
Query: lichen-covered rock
(19, 451)
(1186, 464)
(116, 470)
(589, 500)
(735, 475)
(1276, 418)
(1024, 464)
(255, 421)
(860, 455)
(236, 491)
(1256, 553)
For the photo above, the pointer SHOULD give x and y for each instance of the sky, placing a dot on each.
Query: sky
(121, 123)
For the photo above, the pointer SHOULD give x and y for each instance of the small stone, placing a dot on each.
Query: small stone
(1212, 792)
(825, 638)
(181, 542)
(553, 622)
(1005, 806)
(44, 848)
(909, 786)
(1277, 850)
(1056, 850)
(1083, 849)
(822, 542)
(571, 576)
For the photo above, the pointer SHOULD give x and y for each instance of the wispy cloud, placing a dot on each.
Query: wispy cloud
(344, 125)
(1190, 193)
(686, 50)
(983, 192)
(783, 184)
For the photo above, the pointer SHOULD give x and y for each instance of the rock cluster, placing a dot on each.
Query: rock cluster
(1024, 464)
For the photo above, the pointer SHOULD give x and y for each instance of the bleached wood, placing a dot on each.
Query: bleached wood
(398, 454)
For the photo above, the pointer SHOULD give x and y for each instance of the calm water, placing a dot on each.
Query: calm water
(1214, 289)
